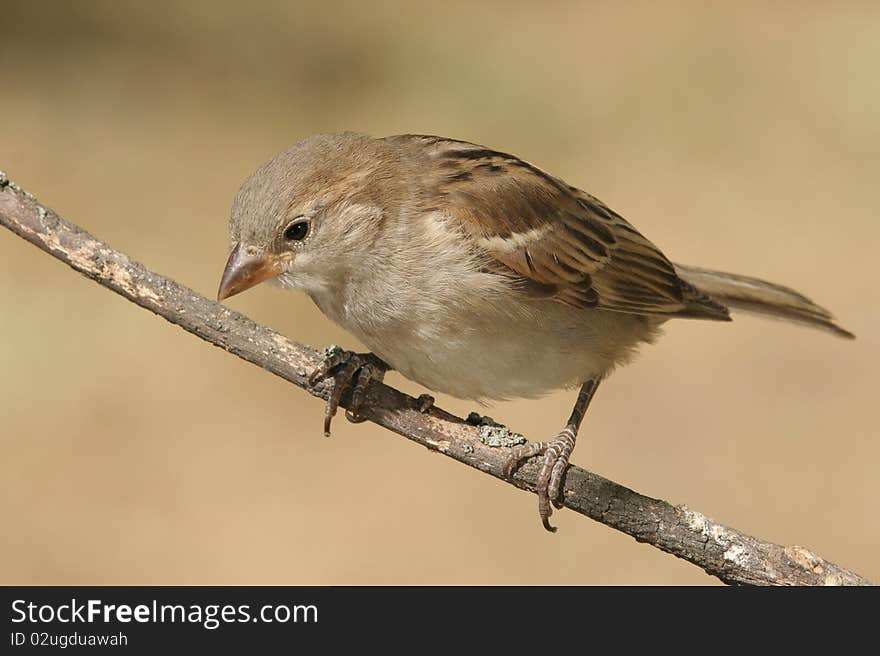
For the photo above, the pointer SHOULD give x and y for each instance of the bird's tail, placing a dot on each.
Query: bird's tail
(760, 297)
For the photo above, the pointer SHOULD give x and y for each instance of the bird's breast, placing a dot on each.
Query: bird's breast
(488, 346)
(432, 309)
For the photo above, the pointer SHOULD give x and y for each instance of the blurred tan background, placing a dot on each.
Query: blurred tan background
(739, 138)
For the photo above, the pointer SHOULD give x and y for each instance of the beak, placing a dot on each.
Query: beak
(245, 268)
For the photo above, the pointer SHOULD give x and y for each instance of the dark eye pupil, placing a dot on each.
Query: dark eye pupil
(297, 231)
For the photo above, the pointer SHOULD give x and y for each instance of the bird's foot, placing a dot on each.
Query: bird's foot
(556, 454)
(348, 370)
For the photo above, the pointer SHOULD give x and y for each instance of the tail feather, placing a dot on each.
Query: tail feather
(760, 297)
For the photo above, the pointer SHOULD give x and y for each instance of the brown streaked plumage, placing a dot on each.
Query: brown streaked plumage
(553, 238)
(472, 272)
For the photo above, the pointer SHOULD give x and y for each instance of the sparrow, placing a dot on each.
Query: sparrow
(473, 273)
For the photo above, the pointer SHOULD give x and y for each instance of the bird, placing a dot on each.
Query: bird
(473, 273)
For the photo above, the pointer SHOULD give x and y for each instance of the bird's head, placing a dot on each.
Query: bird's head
(308, 213)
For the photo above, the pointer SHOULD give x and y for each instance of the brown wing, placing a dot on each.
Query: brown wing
(555, 240)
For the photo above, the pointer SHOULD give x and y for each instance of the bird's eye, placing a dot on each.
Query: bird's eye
(297, 231)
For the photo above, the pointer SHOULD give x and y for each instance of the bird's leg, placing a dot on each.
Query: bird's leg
(348, 370)
(556, 454)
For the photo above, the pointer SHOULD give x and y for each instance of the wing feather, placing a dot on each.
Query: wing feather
(555, 240)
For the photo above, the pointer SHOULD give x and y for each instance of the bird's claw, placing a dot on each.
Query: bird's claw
(548, 486)
(348, 370)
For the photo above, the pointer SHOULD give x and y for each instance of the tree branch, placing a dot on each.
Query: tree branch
(732, 556)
